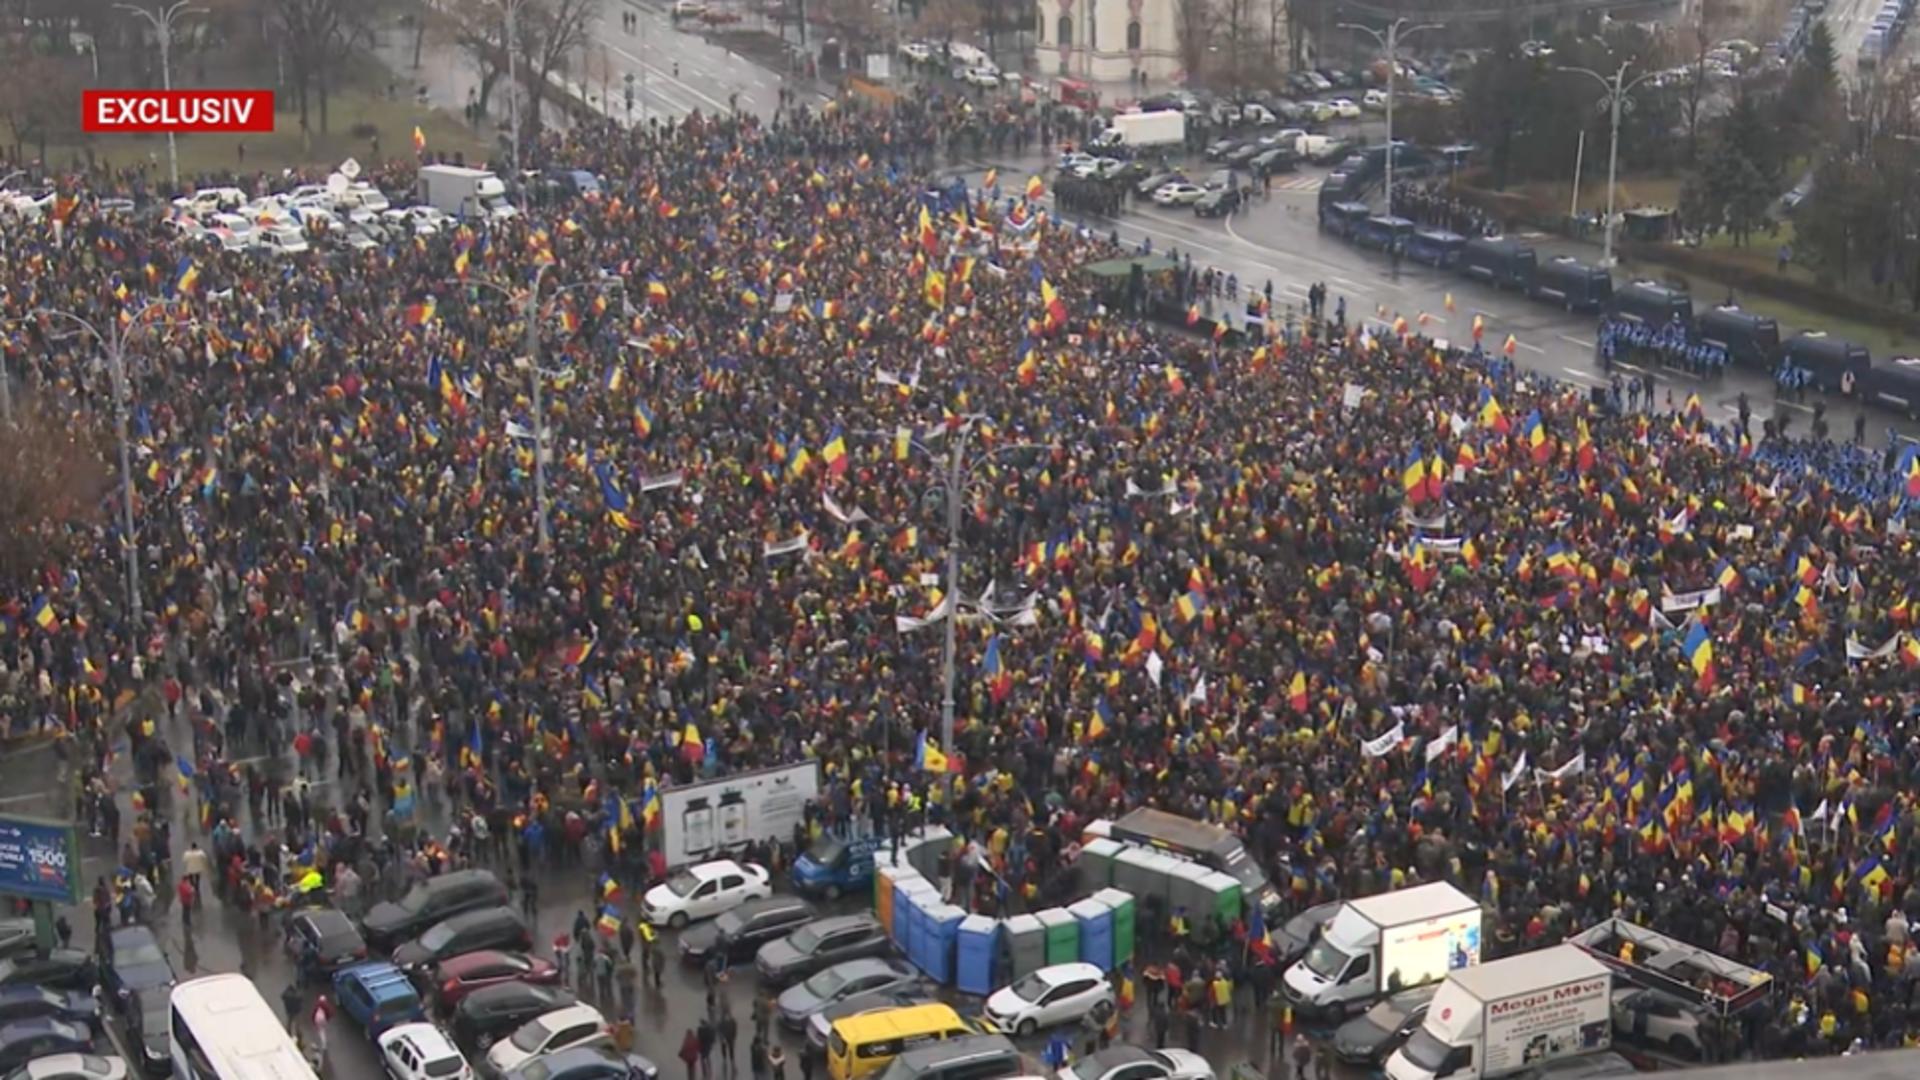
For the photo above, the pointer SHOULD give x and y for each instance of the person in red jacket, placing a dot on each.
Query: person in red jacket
(690, 1053)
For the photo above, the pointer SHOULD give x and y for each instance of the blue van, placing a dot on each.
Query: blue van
(1436, 247)
(834, 866)
(1343, 219)
(377, 995)
(1383, 233)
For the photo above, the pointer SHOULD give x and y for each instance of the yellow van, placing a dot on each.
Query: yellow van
(862, 1045)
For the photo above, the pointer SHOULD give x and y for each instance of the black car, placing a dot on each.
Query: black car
(1220, 148)
(60, 969)
(1276, 160)
(1158, 180)
(32, 1002)
(323, 940)
(494, 1012)
(16, 936)
(1244, 153)
(137, 963)
(1295, 936)
(429, 902)
(1217, 203)
(741, 932)
(24, 1040)
(488, 928)
(1369, 1038)
(148, 1038)
(820, 944)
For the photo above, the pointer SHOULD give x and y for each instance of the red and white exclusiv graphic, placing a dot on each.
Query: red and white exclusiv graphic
(150, 112)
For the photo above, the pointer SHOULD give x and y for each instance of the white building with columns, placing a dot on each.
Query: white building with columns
(1108, 41)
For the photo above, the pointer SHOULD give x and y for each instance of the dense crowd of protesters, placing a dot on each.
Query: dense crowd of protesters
(1434, 203)
(1200, 577)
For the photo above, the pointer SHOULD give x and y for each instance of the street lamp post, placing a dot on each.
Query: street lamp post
(1615, 102)
(530, 297)
(162, 22)
(1390, 44)
(115, 340)
(511, 9)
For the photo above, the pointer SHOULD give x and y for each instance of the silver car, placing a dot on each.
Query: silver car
(798, 1003)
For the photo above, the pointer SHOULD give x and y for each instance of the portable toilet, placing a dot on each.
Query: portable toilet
(975, 945)
(1096, 931)
(1063, 936)
(899, 908)
(1123, 917)
(1161, 871)
(883, 880)
(943, 932)
(1221, 896)
(1184, 890)
(1096, 862)
(1026, 946)
(1134, 870)
(910, 908)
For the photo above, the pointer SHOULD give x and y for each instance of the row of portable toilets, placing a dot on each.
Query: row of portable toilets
(976, 953)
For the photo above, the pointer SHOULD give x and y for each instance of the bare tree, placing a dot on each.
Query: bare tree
(52, 479)
(40, 100)
(1195, 22)
(1694, 92)
(549, 31)
(320, 36)
(479, 31)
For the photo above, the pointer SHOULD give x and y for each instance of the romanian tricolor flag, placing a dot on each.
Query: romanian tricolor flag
(656, 291)
(935, 289)
(1910, 650)
(186, 274)
(929, 237)
(1054, 307)
(1176, 383)
(1583, 446)
(835, 453)
(642, 420)
(1699, 652)
(1726, 577)
(576, 654)
(43, 615)
(1297, 692)
(421, 313)
(1029, 367)
(1491, 415)
(1035, 188)
(1191, 605)
(1536, 436)
(994, 670)
(1413, 477)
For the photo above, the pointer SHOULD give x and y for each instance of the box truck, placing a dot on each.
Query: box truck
(1516, 1014)
(1142, 129)
(708, 820)
(463, 192)
(1384, 944)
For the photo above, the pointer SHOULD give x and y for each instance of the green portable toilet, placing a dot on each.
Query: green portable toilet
(1096, 864)
(1222, 894)
(1063, 935)
(1120, 902)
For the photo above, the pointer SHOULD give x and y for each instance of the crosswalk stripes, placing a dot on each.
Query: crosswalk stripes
(1299, 183)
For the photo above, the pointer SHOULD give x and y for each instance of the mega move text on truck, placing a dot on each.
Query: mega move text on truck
(836, 865)
(1384, 944)
(1519, 1013)
(1196, 841)
(463, 192)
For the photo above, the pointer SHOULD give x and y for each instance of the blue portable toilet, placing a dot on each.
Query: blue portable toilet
(1096, 931)
(899, 918)
(919, 897)
(943, 932)
(975, 944)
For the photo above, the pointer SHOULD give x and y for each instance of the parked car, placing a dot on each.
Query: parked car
(1155, 181)
(1374, 100)
(1179, 193)
(488, 928)
(587, 1063)
(24, 1040)
(1652, 1018)
(1123, 1062)
(1370, 1038)
(797, 1004)
(561, 1029)
(917, 51)
(389, 924)
(1243, 153)
(1220, 148)
(1344, 108)
(71, 1067)
(740, 933)
(378, 996)
(16, 936)
(820, 1025)
(422, 1052)
(1049, 996)
(1276, 160)
(703, 891)
(819, 944)
(33, 1002)
(1295, 936)
(1217, 203)
(59, 969)
(322, 940)
(454, 978)
(490, 1012)
(138, 963)
(146, 1031)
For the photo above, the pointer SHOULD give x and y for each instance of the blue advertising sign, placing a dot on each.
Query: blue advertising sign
(39, 860)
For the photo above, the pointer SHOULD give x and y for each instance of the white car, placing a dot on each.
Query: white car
(983, 76)
(1070, 161)
(71, 1067)
(1374, 100)
(1655, 1019)
(225, 239)
(281, 240)
(1255, 113)
(1344, 108)
(917, 51)
(207, 200)
(1049, 996)
(571, 1025)
(1123, 1062)
(1100, 166)
(365, 196)
(683, 9)
(703, 891)
(1179, 193)
(422, 1052)
(1317, 111)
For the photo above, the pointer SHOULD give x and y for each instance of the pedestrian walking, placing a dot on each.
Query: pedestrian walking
(729, 1033)
(707, 1035)
(776, 1063)
(1302, 1055)
(690, 1053)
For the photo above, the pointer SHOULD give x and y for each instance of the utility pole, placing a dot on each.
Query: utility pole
(1390, 45)
(1615, 102)
(511, 9)
(162, 22)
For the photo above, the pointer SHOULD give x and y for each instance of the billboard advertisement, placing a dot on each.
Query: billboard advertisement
(1423, 952)
(708, 820)
(39, 860)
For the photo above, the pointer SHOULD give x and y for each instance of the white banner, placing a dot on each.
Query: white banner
(1447, 740)
(1155, 666)
(1134, 491)
(1857, 652)
(1447, 546)
(1519, 770)
(906, 624)
(1674, 603)
(1434, 524)
(839, 514)
(1385, 744)
(774, 549)
(1574, 767)
(665, 480)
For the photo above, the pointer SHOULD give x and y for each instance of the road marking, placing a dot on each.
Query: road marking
(695, 91)
(1587, 377)
(1793, 405)
(1530, 347)
(1576, 341)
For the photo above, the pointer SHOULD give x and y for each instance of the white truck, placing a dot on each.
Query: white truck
(707, 820)
(1141, 129)
(463, 192)
(1516, 1014)
(1384, 944)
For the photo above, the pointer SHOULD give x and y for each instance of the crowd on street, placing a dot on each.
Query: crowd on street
(1394, 613)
